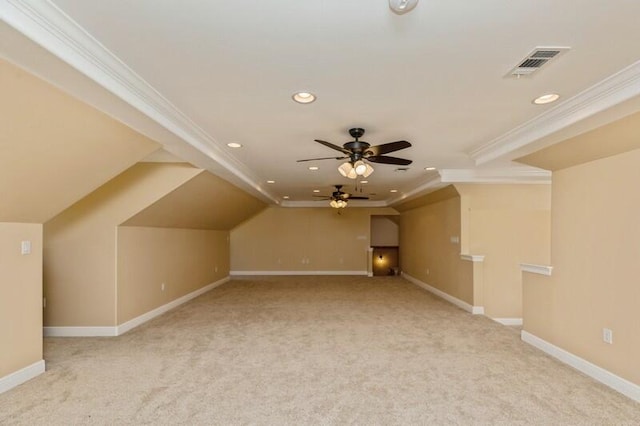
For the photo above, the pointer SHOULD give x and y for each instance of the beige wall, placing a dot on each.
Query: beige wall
(426, 250)
(183, 259)
(304, 239)
(80, 244)
(384, 231)
(509, 225)
(20, 297)
(57, 148)
(595, 235)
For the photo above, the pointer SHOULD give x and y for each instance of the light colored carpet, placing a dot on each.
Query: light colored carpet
(311, 350)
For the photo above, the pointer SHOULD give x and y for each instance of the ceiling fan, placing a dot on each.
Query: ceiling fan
(358, 153)
(338, 199)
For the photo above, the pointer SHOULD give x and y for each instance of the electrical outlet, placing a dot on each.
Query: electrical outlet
(607, 336)
(216, 268)
(25, 247)
(428, 271)
(162, 287)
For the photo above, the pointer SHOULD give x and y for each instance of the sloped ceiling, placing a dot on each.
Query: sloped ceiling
(614, 138)
(204, 202)
(217, 72)
(55, 149)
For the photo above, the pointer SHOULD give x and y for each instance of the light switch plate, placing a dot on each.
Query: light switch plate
(25, 247)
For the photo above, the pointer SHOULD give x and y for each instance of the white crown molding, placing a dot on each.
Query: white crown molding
(325, 203)
(536, 269)
(16, 378)
(51, 28)
(606, 377)
(432, 184)
(500, 175)
(472, 257)
(605, 94)
(475, 310)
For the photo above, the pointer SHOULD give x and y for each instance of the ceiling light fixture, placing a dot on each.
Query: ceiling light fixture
(353, 170)
(429, 169)
(401, 7)
(234, 145)
(546, 99)
(314, 168)
(304, 97)
(271, 181)
(316, 190)
(393, 190)
(286, 197)
(338, 204)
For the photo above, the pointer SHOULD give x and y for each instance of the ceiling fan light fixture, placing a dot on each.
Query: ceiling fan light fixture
(304, 97)
(347, 170)
(400, 7)
(362, 169)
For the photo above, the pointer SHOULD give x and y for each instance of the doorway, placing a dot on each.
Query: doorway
(384, 245)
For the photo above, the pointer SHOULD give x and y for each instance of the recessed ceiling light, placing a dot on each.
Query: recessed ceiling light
(316, 190)
(314, 168)
(271, 181)
(393, 190)
(304, 97)
(429, 169)
(234, 145)
(286, 197)
(364, 181)
(546, 99)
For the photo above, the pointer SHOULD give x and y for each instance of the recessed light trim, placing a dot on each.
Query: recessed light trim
(546, 99)
(286, 197)
(303, 97)
(271, 181)
(393, 190)
(234, 145)
(429, 169)
(314, 168)
(316, 190)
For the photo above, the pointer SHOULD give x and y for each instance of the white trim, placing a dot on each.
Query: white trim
(325, 203)
(19, 377)
(123, 328)
(47, 25)
(606, 377)
(508, 321)
(432, 184)
(472, 257)
(603, 95)
(536, 269)
(79, 331)
(517, 174)
(476, 310)
(238, 273)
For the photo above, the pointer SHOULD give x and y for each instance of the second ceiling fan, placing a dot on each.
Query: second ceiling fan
(358, 153)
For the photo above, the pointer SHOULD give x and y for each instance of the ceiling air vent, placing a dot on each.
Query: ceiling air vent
(536, 60)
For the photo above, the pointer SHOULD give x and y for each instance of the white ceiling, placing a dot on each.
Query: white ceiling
(213, 72)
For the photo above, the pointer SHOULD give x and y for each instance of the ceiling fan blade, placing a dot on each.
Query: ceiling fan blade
(385, 159)
(323, 158)
(324, 197)
(332, 146)
(358, 198)
(386, 148)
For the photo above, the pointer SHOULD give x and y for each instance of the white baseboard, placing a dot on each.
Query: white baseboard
(606, 377)
(238, 273)
(79, 331)
(476, 310)
(123, 328)
(19, 377)
(508, 321)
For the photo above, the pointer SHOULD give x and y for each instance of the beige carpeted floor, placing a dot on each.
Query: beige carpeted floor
(311, 350)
